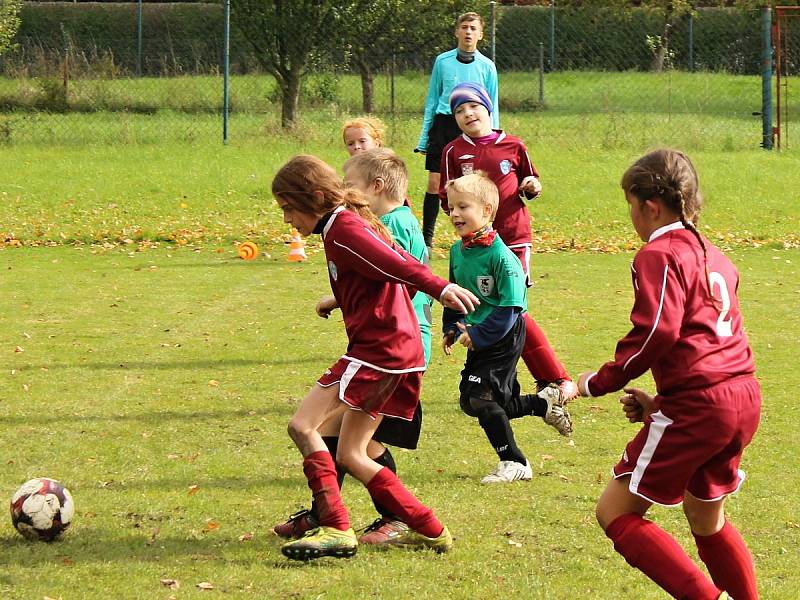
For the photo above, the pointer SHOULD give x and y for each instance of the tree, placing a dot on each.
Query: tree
(287, 35)
(391, 28)
(9, 23)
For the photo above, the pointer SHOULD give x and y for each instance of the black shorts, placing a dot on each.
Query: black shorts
(491, 373)
(443, 131)
(399, 432)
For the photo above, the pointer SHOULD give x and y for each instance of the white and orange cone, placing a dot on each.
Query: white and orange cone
(296, 248)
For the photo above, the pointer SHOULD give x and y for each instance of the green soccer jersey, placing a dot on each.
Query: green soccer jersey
(492, 273)
(407, 234)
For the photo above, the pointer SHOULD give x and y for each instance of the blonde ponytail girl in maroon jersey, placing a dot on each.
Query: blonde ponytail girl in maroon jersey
(687, 330)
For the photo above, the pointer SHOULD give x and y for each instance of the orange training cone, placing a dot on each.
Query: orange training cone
(248, 250)
(296, 251)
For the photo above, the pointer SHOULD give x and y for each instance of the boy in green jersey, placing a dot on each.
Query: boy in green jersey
(494, 334)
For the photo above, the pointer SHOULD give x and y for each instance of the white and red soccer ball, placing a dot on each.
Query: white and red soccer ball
(41, 509)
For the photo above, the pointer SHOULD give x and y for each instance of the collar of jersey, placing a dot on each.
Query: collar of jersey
(499, 139)
(331, 219)
(665, 229)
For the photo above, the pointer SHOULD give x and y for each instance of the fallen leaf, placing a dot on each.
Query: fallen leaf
(172, 584)
(211, 525)
(213, 383)
(246, 537)
(193, 489)
(19, 349)
(205, 585)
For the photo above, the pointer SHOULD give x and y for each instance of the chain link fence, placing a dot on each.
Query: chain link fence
(150, 72)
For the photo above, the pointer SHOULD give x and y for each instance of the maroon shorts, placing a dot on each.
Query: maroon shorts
(694, 443)
(373, 391)
(523, 253)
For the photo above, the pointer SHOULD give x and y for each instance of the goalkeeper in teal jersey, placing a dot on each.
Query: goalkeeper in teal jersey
(494, 334)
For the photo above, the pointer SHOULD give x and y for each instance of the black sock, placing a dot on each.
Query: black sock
(525, 406)
(430, 210)
(385, 460)
(495, 423)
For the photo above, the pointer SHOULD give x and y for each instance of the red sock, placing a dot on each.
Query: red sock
(387, 490)
(320, 471)
(647, 547)
(538, 355)
(729, 562)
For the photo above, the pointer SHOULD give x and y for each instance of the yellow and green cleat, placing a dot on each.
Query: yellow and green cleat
(415, 540)
(322, 541)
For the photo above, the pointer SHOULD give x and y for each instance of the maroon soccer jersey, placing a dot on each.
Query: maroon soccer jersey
(371, 280)
(687, 340)
(506, 162)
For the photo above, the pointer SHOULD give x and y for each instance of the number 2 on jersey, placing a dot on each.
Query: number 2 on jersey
(724, 323)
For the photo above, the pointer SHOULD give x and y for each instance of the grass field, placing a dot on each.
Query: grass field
(143, 375)
(153, 360)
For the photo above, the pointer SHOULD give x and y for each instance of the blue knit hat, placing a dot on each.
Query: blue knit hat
(470, 92)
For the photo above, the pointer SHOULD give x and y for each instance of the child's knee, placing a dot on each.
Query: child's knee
(477, 403)
(297, 430)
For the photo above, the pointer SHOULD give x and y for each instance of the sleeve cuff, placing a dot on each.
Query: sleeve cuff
(586, 391)
(444, 291)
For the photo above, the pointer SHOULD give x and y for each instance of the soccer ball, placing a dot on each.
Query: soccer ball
(41, 509)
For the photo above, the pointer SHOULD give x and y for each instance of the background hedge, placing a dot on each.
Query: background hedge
(187, 38)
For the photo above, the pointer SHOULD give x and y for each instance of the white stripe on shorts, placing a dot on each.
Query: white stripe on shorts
(347, 377)
(654, 435)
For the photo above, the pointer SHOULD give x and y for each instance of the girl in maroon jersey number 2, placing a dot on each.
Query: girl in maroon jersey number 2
(379, 375)
(687, 329)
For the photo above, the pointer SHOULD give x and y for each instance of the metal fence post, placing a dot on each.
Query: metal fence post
(139, 39)
(766, 78)
(553, 35)
(493, 13)
(690, 42)
(541, 75)
(226, 68)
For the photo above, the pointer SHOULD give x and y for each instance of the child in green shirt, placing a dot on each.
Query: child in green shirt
(494, 334)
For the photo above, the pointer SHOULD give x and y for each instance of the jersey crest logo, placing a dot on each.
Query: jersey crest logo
(474, 379)
(485, 284)
(505, 167)
(467, 168)
(332, 270)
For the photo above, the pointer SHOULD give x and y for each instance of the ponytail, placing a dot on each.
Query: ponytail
(671, 176)
(354, 201)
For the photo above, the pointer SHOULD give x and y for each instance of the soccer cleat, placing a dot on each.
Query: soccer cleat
(415, 540)
(568, 388)
(508, 471)
(322, 541)
(296, 525)
(556, 416)
(383, 532)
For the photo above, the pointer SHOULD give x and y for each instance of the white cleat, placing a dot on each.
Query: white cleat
(508, 471)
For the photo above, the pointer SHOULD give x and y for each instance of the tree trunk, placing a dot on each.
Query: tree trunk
(367, 88)
(290, 95)
(660, 57)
